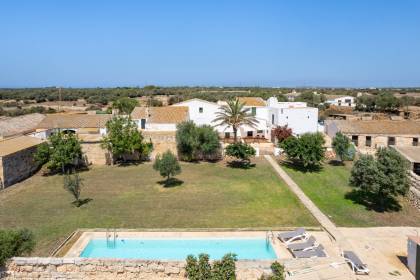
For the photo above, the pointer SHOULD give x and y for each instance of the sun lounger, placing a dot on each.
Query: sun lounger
(303, 246)
(316, 252)
(356, 264)
(289, 237)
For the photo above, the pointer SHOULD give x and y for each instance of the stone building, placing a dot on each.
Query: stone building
(21, 125)
(17, 159)
(368, 135)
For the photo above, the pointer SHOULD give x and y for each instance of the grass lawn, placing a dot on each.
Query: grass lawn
(211, 196)
(328, 188)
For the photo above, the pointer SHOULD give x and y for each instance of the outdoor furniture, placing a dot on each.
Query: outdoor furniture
(289, 237)
(303, 246)
(316, 252)
(356, 264)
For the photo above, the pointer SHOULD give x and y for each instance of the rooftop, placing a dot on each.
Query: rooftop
(13, 145)
(169, 114)
(19, 125)
(252, 101)
(411, 153)
(74, 121)
(396, 127)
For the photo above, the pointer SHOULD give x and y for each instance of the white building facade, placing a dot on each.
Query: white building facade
(343, 101)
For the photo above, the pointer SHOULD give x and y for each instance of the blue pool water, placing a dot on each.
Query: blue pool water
(179, 249)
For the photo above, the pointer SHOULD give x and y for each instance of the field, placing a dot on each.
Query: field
(210, 195)
(329, 190)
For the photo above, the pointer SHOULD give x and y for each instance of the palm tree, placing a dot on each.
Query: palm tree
(234, 115)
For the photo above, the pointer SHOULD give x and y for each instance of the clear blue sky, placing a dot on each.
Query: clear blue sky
(239, 43)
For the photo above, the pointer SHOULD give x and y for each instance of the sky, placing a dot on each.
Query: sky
(337, 43)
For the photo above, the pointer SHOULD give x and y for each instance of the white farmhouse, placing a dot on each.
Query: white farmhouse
(159, 118)
(342, 101)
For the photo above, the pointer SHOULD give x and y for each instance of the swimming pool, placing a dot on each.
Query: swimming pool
(179, 249)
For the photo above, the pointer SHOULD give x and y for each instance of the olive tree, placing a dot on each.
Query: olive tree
(341, 145)
(167, 164)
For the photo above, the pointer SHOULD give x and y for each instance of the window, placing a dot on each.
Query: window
(260, 131)
(200, 110)
(249, 133)
(415, 141)
(227, 134)
(272, 118)
(254, 111)
(416, 168)
(406, 115)
(368, 141)
(391, 141)
(355, 140)
(143, 124)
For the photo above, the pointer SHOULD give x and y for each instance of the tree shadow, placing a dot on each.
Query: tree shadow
(240, 164)
(336, 162)
(301, 168)
(171, 182)
(81, 202)
(370, 201)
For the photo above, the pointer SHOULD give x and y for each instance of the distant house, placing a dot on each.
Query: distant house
(371, 134)
(21, 125)
(341, 101)
(17, 159)
(160, 118)
(89, 128)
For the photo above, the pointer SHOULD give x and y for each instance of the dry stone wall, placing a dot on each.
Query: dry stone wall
(414, 192)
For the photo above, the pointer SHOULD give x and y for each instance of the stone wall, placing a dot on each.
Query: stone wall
(414, 193)
(162, 141)
(18, 166)
(94, 154)
(79, 268)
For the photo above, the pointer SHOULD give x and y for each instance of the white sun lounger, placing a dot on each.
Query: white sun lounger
(356, 264)
(303, 246)
(317, 252)
(290, 236)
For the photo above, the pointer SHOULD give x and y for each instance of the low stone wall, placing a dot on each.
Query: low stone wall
(80, 268)
(414, 192)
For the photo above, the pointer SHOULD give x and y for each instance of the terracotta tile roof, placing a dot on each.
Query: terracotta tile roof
(19, 125)
(13, 145)
(403, 127)
(74, 121)
(412, 153)
(168, 114)
(252, 101)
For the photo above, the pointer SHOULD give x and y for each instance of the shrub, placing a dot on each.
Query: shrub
(240, 151)
(124, 140)
(73, 184)
(15, 243)
(63, 150)
(277, 272)
(167, 165)
(341, 145)
(306, 150)
(381, 179)
(197, 142)
(281, 133)
(223, 269)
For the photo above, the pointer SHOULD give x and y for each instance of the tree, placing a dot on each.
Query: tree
(63, 150)
(307, 150)
(123, 139)
(73, 184)
(281, 133)
(167, 165)
(234, 114)
(125, 105)
(201, 269)
(187, 141)
(241, 151)
(14, 243)
(341, 145)
(196, 142)
(387, 102)
(381, 179)
(366, 103)
(208, 139)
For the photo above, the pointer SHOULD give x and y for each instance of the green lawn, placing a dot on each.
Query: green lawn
(212, 196)
(328, 188)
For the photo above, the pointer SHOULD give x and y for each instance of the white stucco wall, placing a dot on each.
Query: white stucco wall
(300, 120)
(341, 101)
(206, 117)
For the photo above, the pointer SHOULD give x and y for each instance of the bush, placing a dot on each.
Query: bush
(196, 142)
(63, 150)
(381, 179)
(240, 151)
(277, 272)
(14, 243)
(223, 269)
(341, 145)
(306, 150)
(281, 133)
